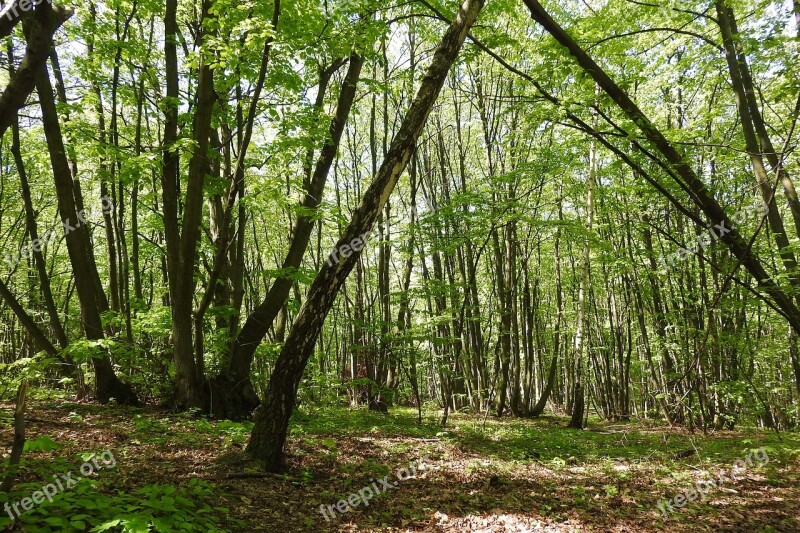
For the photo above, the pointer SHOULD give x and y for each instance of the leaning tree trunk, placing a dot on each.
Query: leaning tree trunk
(33, 231)
(763, 177)
(272, 417)
(677, 167)
(37, 335)
(39, 28)
(726, 19)
(226, 400)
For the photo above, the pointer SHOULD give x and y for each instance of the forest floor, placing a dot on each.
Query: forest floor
(182, 473)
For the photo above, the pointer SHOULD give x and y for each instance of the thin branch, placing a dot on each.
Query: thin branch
(650, 30)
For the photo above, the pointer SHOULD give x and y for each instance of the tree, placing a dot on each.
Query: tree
(260, 320)
(272, 417)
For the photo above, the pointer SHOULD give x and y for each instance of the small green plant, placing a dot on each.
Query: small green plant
(151, 508)
(42, 443)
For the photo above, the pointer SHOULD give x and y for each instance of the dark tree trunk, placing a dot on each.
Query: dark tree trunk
(576, 422)
(107, 384)
(39, 28)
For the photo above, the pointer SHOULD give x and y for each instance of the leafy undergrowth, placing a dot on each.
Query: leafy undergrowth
(179, 473)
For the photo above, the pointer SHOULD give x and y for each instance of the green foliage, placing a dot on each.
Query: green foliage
(151, 508)
(41, 443)
(35, 370)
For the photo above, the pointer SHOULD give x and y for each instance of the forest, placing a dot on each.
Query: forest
(421, 265)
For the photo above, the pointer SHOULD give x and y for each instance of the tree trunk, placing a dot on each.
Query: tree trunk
(576, 421)
(182, 241)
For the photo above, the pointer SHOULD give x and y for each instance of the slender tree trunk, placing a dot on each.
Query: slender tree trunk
(404, 312)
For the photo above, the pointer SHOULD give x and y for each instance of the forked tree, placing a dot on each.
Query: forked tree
(272, 417)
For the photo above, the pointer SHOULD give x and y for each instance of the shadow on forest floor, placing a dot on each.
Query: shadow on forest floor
(512, 475)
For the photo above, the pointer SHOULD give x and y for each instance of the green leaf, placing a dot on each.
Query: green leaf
(42, 443)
